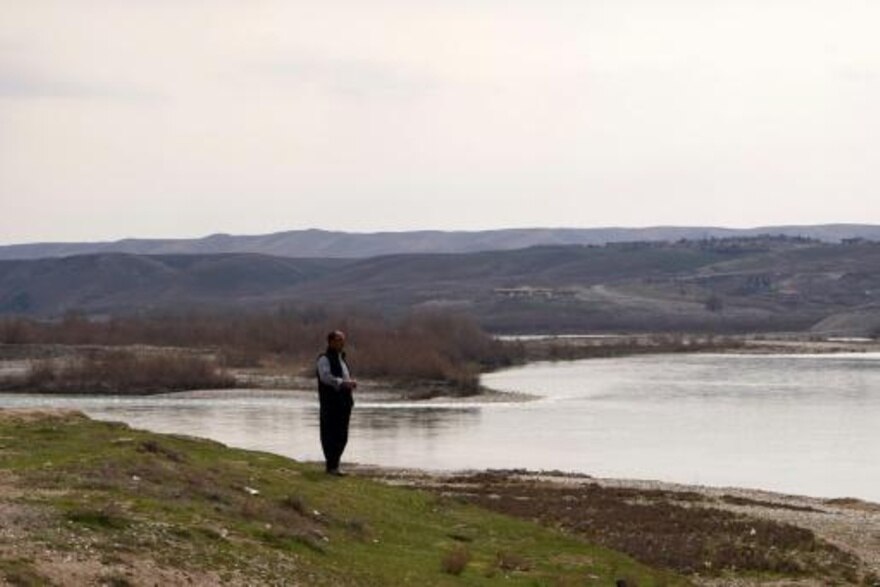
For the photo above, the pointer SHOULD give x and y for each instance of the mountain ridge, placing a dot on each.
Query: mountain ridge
(317, 243)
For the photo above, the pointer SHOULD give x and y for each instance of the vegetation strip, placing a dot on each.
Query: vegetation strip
(126, 354)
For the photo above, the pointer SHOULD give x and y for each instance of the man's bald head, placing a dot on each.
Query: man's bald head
(336, 340)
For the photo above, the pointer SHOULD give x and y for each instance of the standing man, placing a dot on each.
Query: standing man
(334, 392)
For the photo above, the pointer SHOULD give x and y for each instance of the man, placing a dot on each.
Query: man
(334, 393)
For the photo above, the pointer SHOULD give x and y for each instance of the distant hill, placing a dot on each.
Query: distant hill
(722, 285)
(327, 244)
(117, 282)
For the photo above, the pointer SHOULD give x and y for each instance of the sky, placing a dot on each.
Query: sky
(182, 118)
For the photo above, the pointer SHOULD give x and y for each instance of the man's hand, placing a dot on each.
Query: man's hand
(349, 384)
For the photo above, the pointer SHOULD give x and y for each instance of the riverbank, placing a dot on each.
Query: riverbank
(649, 510)
(715, 536)
(84, 502)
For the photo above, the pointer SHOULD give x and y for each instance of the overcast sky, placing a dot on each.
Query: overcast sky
(180, 118)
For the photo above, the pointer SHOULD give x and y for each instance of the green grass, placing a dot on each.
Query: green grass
(185, 503)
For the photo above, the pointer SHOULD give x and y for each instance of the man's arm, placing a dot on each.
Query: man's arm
(326, 376)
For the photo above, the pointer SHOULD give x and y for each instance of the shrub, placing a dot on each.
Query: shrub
(456, 560)
(125, 372)
(428, 345)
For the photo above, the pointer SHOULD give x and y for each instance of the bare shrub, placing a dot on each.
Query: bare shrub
(441, 346)
(239, 357)
(125, 372)
(429, 345)
(15, 331)
(456, 560)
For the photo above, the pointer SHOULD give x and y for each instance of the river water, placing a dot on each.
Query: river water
(805, 424)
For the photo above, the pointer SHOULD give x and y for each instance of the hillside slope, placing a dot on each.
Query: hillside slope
(729, 285)
(113, 281)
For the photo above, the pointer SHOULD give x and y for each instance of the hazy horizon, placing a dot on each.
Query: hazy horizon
(422, 230)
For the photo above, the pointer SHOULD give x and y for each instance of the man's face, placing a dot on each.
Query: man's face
(337, 343)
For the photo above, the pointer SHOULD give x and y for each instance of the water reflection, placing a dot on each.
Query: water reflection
(387, 433)
(430, 421)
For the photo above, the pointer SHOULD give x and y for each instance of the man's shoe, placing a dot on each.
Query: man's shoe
(336, 473)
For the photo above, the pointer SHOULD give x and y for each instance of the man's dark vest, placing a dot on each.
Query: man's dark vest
(335, 360)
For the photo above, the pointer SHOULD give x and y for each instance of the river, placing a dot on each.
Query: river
(804, 424)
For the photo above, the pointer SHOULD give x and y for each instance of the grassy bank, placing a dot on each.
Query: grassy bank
(87, 503)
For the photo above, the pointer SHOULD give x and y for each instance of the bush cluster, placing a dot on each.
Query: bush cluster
(428, 345)
(124, 372)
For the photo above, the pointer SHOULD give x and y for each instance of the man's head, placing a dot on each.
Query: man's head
(336, 340)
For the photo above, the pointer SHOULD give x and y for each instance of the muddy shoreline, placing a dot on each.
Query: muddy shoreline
(665, 524)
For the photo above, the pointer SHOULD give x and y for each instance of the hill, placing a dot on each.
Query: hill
(114, 281)
(334, 244)
(718, 285)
